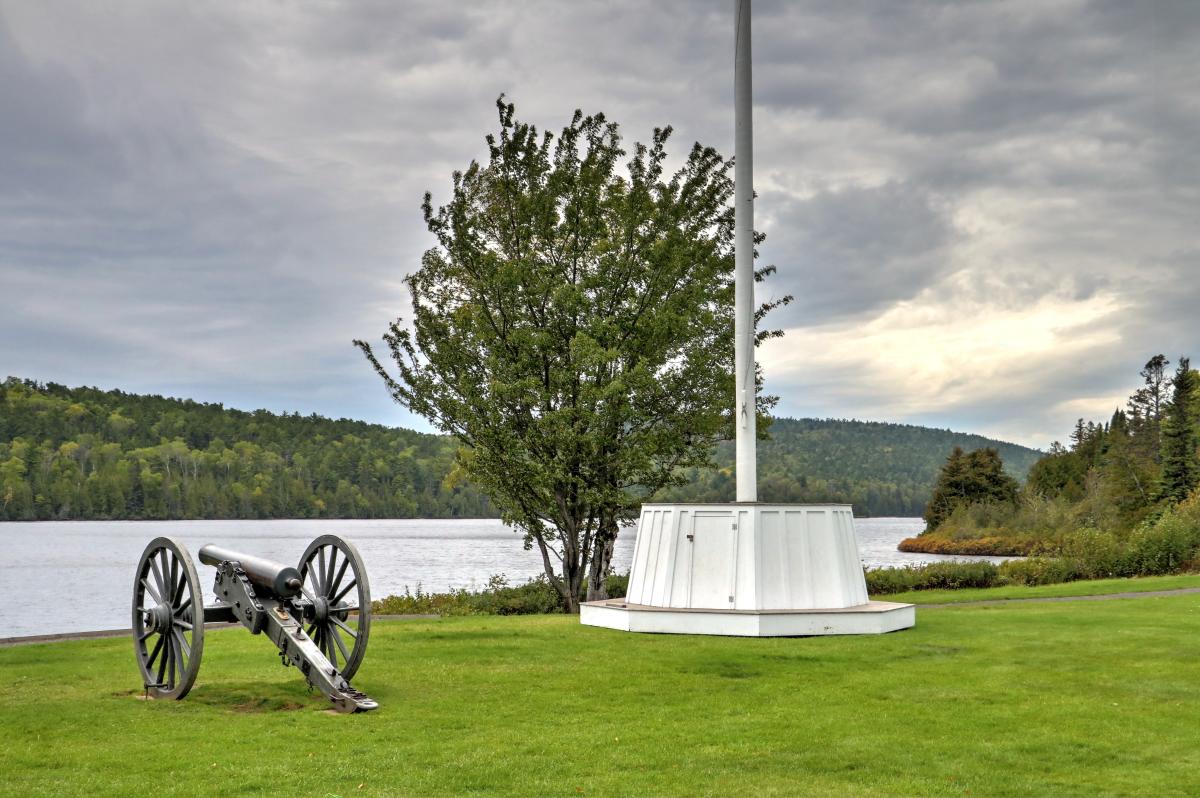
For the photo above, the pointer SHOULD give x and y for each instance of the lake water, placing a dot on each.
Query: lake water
(75, 576)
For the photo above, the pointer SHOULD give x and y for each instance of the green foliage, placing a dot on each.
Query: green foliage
(974, 477)
(1145, 454)
(1033, 524)
(572, 329)
(1038, 571)
(76, 453)
(949, 575)
(535, 597)
(1169, 544)
(882, 469)
(1180, 434)
(341, 468)
(1094, 554)
(1112, 484)
(618, 585)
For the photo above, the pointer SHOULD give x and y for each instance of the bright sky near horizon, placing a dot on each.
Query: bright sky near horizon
(989, 213)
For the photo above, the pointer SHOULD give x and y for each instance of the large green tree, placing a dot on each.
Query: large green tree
(573, 329)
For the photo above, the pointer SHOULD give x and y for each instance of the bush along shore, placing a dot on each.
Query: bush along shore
(1166, 544)
(535, 597)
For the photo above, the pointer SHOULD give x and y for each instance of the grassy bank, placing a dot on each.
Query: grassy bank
(1096, 698)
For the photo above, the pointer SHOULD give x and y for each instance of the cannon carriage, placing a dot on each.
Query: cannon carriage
(317, 614)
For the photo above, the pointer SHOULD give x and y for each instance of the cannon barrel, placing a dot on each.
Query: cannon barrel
(283, 580)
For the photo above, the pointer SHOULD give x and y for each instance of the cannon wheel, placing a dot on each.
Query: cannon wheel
(167, 638)
(341, 620)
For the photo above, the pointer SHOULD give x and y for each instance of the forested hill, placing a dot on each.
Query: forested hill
(881, 468)
(84, 453)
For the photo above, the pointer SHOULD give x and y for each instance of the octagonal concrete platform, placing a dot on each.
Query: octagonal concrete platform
(874, 617)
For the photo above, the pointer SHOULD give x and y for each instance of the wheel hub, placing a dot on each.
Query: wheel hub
(322, 609)
(158, 619)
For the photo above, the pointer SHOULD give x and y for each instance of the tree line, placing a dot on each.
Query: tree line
(83, 453)
(1113, 477)
(1147, 453)
(882, 468)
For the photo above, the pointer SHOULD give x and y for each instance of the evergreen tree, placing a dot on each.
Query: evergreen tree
(965, 478)
(1127, 476)
(1180, 460)
(1147, 404)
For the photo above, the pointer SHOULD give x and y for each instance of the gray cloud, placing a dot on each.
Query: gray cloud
(822, 237)
(213, 199)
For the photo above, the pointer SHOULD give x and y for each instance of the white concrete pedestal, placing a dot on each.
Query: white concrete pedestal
(747, 569)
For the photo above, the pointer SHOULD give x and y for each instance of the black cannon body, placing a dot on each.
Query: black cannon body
(318, 615)
(281, 580)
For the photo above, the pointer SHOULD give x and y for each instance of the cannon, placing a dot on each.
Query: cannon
(317, 614)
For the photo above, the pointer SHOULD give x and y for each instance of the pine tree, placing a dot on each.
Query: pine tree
(1148, 403)
(966, 478)
(1180, 460)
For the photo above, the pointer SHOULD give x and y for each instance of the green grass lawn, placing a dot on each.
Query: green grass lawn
(1088, 587)
(1087, 699)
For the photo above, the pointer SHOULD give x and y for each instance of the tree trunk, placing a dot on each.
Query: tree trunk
(602, 551)
(571, 580)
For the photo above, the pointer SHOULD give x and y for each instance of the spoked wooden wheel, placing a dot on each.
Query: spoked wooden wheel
(167, 637)
(335, 581)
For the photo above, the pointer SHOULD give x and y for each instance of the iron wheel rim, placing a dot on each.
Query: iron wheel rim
(342, 631)
(167, 639)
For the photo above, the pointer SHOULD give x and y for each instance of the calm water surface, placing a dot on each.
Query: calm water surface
(75, 576)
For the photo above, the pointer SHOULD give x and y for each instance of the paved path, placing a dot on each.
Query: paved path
(1181, 591)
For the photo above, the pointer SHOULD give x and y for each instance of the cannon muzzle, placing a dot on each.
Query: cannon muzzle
(282, 580)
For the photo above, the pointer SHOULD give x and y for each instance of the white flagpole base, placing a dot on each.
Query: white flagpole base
(751, 569)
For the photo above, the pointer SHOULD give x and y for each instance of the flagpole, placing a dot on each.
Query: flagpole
(746, 464)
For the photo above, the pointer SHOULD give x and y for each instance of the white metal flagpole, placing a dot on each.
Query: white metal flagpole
(743, 197)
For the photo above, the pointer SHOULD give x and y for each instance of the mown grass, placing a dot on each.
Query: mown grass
(1088, 587)
(1087, 699)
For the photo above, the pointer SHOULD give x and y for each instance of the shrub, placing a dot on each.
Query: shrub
(949, 575)
(1033, 525)
(454, 602)
(617, 585)
(1164, 546)
(1091, 553)
(535, 597)
(1038, 571)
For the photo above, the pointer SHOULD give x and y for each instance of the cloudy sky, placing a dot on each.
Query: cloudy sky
(989, 213)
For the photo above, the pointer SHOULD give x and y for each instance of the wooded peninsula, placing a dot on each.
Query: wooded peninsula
(1122, 499)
